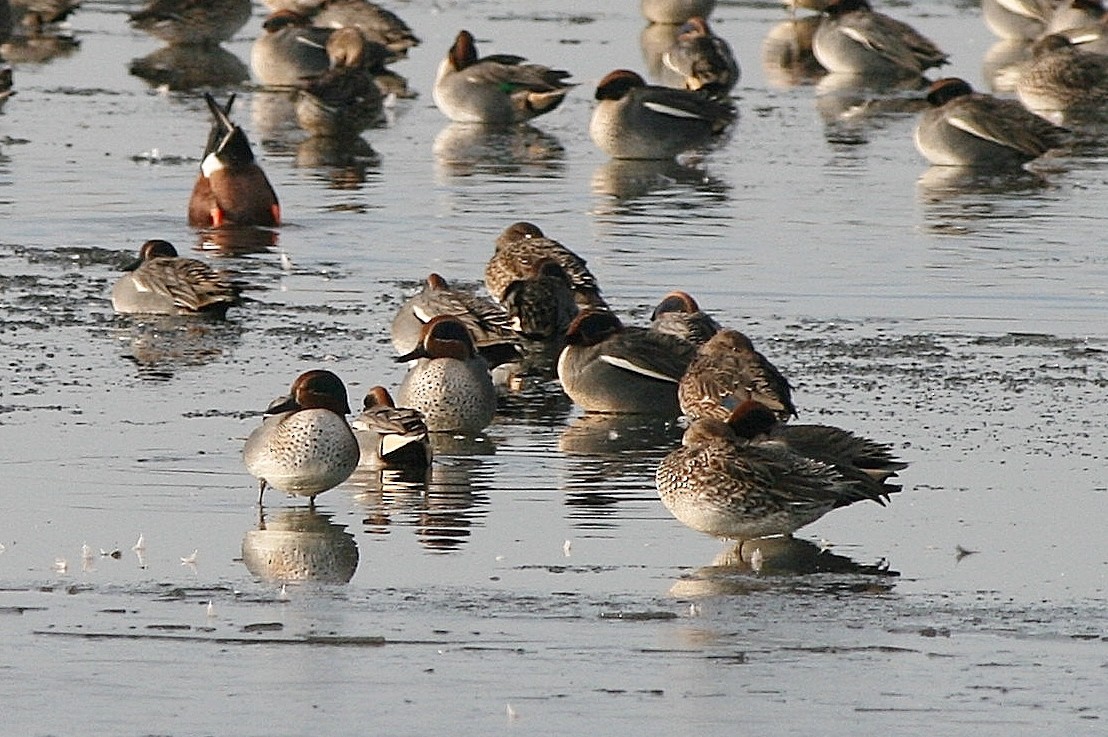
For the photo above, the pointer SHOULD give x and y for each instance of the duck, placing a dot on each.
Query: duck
(973, 129)
(542, 304)
(35, 15)
(1062, 83)
(1017, 20)
(289, 50)
(1091, 38)
(160, 282)
(703, 60)
(865, 461)
(231, 188)
(679, 314)
(450, 382)
(488, 323)
(634, 120)
(377, 23)
(787, 58)
(192, 22)
(1071, 14)
(727, 371)
(733, 487)
(304, 445)
(345, 99)
(520, 246)
(610, 368)
(815, 5)
(391, 436)
(498, 90)
(6, 82)
(676, 12)
(852, 38)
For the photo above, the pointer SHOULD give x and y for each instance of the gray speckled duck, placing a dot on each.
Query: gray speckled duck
(305, 445)
(450, 382)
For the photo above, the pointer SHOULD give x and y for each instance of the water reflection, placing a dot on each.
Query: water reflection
(532, 399)
(851, 104)
(740, 568)
(1001, 64)
(273, 113)
(626, 180)
(38, 46)
(236, 240)
(940, 184)
(441, 506)
(160, 344)
(614, 459)
(536, 366)
(462, 150)
(346, 160)
(300, 545)
(189, 67)
(787, 58)
(656, 39)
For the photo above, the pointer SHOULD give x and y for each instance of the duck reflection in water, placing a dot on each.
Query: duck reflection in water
(442, 506)
(236, 240)
(631, 187)
(656, 39)
(959, 197)
(1001, 65)
(193, 31)
(344, 162)
(607, 450)
(744, 568)
(463, 150)
(787, 58)
(161, 345)
(852, 105)
(300, 545)
(180, 68)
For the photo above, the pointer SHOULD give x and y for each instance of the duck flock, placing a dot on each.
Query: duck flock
(744, 469)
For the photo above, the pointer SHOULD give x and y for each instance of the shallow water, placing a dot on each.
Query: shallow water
(536, 583)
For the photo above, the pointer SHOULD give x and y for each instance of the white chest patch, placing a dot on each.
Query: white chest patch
(210, 165)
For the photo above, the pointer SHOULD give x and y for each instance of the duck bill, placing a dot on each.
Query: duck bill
(282, 404)
(417, 352)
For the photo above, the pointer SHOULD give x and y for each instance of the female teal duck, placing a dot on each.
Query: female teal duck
(742, 488)
(1062, 83)
(703, 60)
(726, 372)
(520, 246)
(192, 22)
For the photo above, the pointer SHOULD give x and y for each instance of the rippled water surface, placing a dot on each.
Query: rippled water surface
(535, 583)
